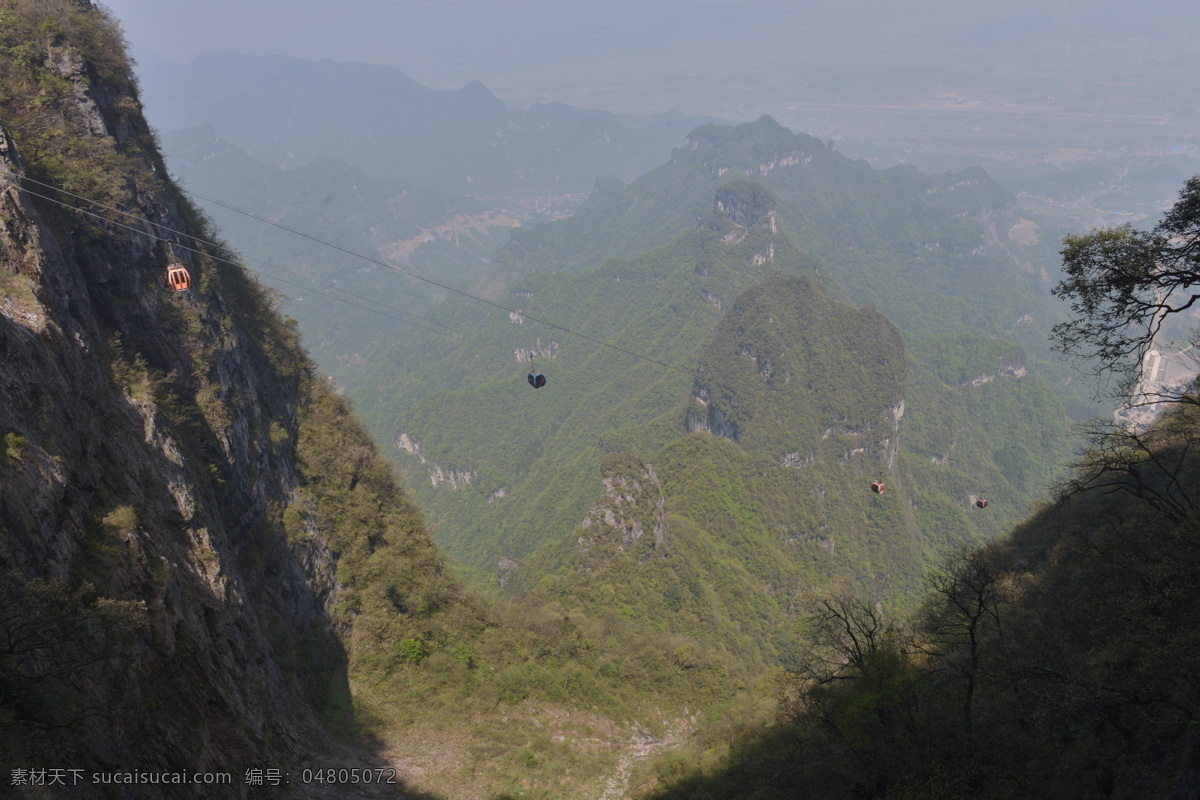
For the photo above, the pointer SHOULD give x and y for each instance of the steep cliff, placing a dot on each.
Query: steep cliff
(186, 512)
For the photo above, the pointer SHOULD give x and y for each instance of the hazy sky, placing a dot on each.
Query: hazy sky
(1030, 84)
(447, 43)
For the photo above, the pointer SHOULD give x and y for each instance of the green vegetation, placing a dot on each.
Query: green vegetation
(1055, 661)
(390, 573)
(53, 639)
(542, 452)
(611, 511)
(427, 661)
(793, 371)
(1051, 663)
(930, 252)
(518, 471)
(12, 449)
(45, 45)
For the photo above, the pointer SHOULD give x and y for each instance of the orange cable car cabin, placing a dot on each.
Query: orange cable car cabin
(877, 487)
(981, 503)
(179, 278)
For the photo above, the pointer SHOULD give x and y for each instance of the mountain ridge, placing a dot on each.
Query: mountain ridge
(390, 126)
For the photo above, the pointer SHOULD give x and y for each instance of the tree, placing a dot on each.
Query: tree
(1124, 285)
(844, 635)
(1151, 465)
(857, 705)
(962, 613)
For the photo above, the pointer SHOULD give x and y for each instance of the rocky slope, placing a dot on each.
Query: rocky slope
(160, 613)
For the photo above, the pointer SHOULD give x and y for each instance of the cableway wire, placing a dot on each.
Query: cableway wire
(234, 263)
(337, 247)
(403, 271)
(445, 332)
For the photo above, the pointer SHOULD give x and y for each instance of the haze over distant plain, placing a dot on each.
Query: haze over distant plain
(1016, 86)
(446, 44)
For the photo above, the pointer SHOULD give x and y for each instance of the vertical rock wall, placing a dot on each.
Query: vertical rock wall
(146, 453)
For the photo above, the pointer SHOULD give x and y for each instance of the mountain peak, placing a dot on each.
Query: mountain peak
(476, 92)
(752, 148)
(477, 88)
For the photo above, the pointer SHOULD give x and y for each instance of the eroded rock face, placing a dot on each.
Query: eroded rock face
(747, 204)
(438, 475)
(139, 457)
(703, 415)
(633, 507)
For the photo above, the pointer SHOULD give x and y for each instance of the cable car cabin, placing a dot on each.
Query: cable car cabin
(179, 278)
(981, 503)
(877, 487)
(537, 380)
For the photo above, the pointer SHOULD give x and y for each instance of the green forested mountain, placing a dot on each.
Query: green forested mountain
(205, 566)
(717, 534)
(604, 400)
(816, 398)
(920, 246)
(937, 254)
(713, 494)
(789, 369)
(1058, 661)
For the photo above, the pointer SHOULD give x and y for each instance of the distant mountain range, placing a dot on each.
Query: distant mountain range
(288, 111)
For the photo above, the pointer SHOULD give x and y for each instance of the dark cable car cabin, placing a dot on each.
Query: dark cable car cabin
(877, 487)
(179, 278)
(536, 379)
(981, 503)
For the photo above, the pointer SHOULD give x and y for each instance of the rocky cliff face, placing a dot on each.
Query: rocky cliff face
(632, 507)
(156, 616)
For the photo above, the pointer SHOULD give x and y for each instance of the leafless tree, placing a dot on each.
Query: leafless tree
(963, 615)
